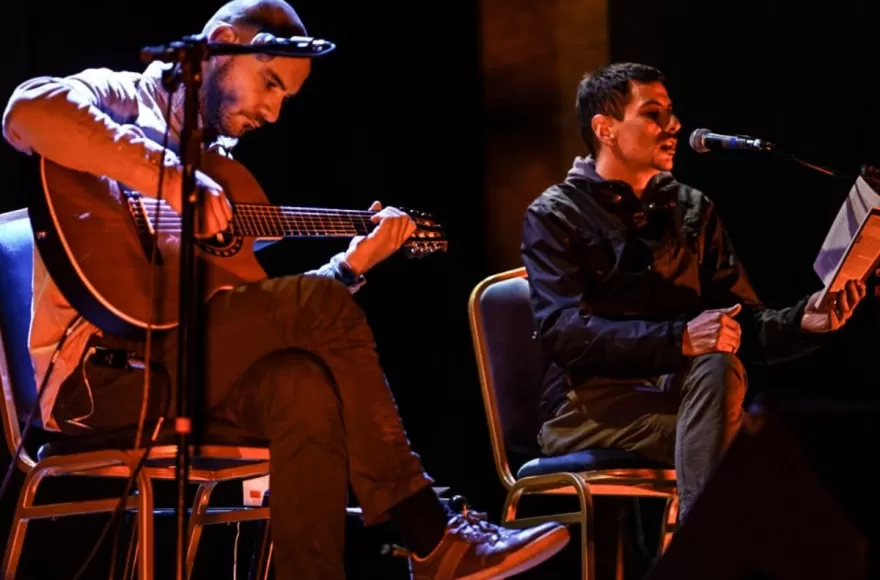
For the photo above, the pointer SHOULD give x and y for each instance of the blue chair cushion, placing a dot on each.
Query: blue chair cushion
(588, 460)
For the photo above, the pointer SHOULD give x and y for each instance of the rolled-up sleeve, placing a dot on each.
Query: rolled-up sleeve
(85, 122)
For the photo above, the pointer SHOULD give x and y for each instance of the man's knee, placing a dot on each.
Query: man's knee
(331, 302)
(312, 292)
(722, 373)
(724, 362)
(327, 290)
(312, 310)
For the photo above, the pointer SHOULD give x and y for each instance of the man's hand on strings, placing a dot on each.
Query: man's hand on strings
(393, 229)
(216, 211)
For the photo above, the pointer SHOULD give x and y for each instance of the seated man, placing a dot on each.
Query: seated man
(291, 358)
(639, 299)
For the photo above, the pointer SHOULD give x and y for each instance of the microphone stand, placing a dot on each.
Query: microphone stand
(188, 54)
(789, 157)
(868, 172)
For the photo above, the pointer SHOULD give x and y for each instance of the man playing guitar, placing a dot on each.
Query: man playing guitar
(290, 358)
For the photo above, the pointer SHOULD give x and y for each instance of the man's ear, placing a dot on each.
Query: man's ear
(604, 128)
(222, 32)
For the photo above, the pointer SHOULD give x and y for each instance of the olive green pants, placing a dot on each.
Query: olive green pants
(685, 420)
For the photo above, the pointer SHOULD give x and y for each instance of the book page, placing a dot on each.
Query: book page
(859, 203)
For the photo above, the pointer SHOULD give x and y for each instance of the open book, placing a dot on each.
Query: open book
(851, 250)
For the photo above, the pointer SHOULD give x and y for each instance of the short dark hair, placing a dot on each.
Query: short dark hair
(607, 91)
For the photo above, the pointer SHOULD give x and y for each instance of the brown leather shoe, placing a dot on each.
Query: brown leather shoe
(474, 549)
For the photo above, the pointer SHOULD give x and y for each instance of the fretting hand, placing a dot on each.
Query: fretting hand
(393, 230)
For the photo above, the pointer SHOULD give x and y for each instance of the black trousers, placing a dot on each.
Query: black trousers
(686, 419)
(294, 360)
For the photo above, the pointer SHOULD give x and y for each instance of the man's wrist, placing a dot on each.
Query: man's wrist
(352, 266)
(349, 273)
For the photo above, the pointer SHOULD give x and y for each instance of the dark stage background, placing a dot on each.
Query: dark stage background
(399, 114)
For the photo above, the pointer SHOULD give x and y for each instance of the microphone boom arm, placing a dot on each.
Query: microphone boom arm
(293, 47)
(703, 141)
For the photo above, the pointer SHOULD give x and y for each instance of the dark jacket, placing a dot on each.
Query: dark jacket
(614, 280)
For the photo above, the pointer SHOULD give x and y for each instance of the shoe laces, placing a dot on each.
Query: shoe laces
(474, 526)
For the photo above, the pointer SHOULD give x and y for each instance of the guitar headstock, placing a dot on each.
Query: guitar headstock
(428, 237)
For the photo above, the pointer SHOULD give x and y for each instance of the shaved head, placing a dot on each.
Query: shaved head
(276, 17)
(241, 93)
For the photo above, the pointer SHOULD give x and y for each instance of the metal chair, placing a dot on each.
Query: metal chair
(227, 453)
(510, 364)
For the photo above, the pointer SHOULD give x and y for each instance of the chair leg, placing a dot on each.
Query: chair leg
(618, 563)
(15, 542)
(669, 523)
(146, 538)
(585, 499)
(263, 564)
(200, 505)
(511, 504)
(588, 564)
(132, 553)
(123, 560)
(262, 557)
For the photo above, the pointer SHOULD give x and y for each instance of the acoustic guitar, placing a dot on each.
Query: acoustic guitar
(96, 236)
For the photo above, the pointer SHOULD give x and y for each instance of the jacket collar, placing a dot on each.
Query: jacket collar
(660, 193)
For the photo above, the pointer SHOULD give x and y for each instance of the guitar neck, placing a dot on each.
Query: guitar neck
(273, 221)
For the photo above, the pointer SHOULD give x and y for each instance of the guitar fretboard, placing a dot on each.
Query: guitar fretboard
(282, 221)
(262, 220)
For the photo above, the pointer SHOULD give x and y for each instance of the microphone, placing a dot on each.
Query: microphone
(703, 141)
(263, 44)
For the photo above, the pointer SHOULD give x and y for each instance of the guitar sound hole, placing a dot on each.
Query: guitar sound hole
(224, 246)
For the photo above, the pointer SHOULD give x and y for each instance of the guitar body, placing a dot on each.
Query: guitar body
(93, 236)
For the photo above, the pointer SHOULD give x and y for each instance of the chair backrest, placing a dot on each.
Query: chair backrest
(510, 364)
(16, 367)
